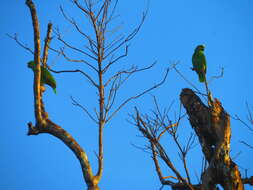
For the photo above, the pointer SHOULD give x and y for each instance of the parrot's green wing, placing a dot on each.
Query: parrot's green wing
(47, 78)
(199, 63)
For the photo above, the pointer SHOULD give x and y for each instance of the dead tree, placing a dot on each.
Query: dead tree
(211, 125)
(99, 55)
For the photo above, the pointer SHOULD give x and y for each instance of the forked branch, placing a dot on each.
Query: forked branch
(149, 129)
(15, 38)
(138, 95)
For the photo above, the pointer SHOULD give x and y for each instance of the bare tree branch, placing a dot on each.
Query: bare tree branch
(62, 52)
(139, 95)
(150, 134)
(15, 38)
(243, 122)
(172, 130)
(218, 76)
(183, 153)
(112, 96)
(37, 49)
(181, 75)
(113, 11)
(248, 145)
(132, 70)
(90, 40)
(127, 39)
(157, 166)
(116, 40)
(46, 45)
(77, 71)
(116, 59)
(87, 12)
(250, 118)
(74, 48)
(75, 103)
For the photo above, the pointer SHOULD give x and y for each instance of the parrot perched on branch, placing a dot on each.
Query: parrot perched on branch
(199, 62)
(46, 76)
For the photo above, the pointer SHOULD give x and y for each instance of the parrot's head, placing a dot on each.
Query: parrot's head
(200, 48)
(31, 65)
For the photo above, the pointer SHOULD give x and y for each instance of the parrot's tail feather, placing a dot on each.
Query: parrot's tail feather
(55, 90)
(201, 78)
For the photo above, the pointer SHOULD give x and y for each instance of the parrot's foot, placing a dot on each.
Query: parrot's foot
(43, 89)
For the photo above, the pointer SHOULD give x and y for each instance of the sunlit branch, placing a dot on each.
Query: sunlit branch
(166, 129)
(46, 45)
(37, 76)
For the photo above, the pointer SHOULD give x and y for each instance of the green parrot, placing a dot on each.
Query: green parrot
(46, 76)
(199, 62)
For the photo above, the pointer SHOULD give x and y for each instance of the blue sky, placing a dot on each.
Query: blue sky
(170, 33)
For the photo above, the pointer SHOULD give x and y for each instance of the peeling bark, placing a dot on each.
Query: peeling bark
(212, 126)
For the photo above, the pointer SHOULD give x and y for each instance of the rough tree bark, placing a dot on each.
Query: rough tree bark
(212, 126)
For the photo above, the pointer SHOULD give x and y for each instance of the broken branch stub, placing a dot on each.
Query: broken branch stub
(212, 126)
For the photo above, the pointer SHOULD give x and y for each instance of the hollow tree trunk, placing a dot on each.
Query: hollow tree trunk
(212, 126)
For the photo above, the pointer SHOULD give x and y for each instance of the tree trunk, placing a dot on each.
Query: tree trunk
(93, 187)
(212, 126)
